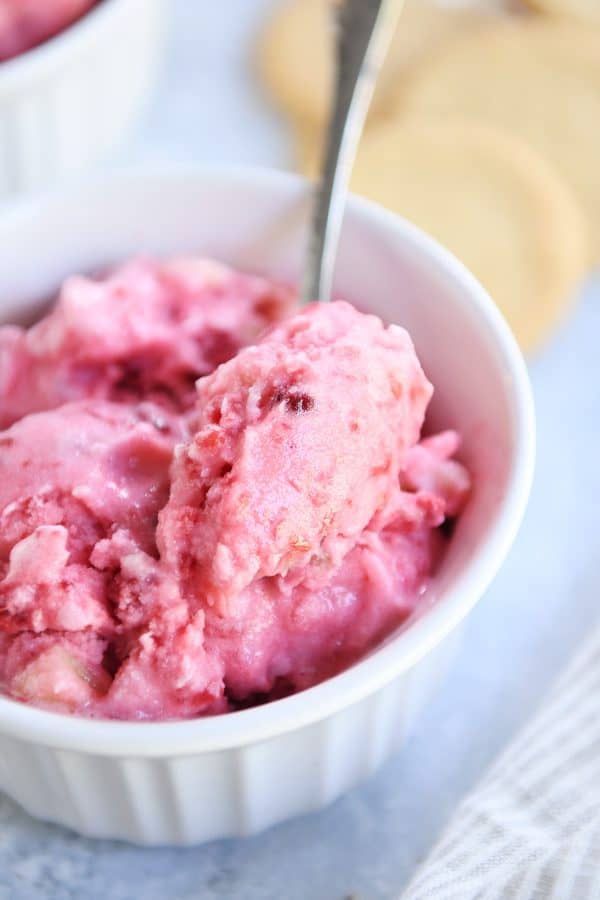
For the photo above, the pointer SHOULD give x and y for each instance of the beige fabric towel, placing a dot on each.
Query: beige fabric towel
(531, 829)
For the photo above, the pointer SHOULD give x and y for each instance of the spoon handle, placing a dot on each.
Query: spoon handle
(363, 31)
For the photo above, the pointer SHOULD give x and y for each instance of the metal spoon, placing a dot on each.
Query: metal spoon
(363, 32)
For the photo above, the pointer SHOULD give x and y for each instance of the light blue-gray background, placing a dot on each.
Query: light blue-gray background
(368, 844)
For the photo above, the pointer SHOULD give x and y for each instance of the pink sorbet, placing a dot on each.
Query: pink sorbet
(168, 552)
(80, 489)
(146, 331)
(298, 442)
(26, 23)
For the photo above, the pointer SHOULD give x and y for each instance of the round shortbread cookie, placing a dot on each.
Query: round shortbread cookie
(297, 52)
(586, 10)
(538, 79)
(493, 201)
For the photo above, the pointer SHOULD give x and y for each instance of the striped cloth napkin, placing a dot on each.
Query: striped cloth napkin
(531, 829)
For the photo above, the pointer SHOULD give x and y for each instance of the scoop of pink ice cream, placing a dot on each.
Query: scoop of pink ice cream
(70, 479)
(298, 442)
(26, 23)
(90, 620)
(146, 332)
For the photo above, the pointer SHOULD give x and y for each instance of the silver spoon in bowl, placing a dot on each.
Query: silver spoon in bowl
(363, 32)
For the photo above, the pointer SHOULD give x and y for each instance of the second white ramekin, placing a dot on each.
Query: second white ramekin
(187, 782)
(68, 102)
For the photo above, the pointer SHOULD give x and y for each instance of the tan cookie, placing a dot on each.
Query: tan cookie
(586, 10)
(490, 199)
(297, 52)
(539, 79)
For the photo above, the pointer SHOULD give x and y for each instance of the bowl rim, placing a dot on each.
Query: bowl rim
(36, 62)
(186, 737)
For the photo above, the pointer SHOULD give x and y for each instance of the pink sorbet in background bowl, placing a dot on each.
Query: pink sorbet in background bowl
(206, 776)
(74, 77)
(26, 23)
(199, 511)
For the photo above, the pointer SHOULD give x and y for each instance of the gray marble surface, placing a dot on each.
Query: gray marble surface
(545, 599)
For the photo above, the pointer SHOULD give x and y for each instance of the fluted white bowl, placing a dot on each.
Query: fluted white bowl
(68, 102)
(186, 782)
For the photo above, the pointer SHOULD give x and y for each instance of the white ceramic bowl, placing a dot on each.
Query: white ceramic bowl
(186, 782)
(69, 101)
